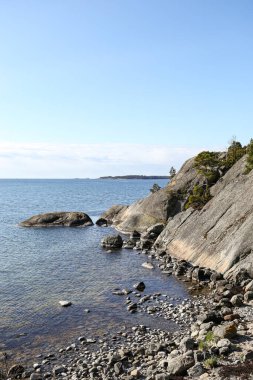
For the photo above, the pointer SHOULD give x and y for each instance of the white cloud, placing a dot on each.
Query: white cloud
(41, 160)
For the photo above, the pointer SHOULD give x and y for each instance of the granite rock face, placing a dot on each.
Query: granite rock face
(157, 207)
(58, 219)
(220, 235)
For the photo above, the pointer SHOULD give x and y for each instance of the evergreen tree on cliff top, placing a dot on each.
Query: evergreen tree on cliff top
(234, 153)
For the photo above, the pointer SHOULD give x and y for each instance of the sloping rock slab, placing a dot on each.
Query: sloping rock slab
(58, 219)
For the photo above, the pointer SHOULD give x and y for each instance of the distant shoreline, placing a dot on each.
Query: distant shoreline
(136, 177)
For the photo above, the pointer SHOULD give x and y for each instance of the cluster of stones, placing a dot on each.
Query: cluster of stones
(210, 326)
(223, 314)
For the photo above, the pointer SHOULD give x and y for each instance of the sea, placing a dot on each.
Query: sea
(41, 266)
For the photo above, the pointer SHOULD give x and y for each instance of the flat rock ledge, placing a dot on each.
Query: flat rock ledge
(58, 219)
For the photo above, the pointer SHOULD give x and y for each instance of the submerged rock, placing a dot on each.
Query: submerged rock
(58, 219)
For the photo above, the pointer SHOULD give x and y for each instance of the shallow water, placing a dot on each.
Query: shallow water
(39, 267)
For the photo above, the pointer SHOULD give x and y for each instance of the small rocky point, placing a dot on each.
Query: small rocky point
(58, 219)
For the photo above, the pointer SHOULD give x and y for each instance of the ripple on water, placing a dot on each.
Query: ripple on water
(39, 267)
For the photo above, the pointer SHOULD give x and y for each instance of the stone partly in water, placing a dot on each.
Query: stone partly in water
(65, 303)
(101, 222)
(16, 371)
(112, 242)
(58, 219)
(140, 286)
(147, 265)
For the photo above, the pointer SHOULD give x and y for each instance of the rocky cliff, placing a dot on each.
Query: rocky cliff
(218, 236)
(157, 207)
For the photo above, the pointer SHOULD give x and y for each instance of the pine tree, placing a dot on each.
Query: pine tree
(172, 172)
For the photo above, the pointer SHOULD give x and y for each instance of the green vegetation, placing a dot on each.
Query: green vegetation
(249, 162)
(211, 362)
(155, 188)
(199, 197)
(213, 165)
(207, 164)
(234, 153)
(207, 342)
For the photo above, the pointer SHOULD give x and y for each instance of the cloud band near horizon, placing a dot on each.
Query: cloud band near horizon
(41, 160)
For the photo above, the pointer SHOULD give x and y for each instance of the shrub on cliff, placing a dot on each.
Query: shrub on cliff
(199, 197)
(249, 162)
(234, 153)
(155, 188)
(207, 164)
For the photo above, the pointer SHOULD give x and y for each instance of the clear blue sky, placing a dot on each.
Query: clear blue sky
(161, 72)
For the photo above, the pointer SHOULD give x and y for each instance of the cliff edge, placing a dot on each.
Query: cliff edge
(218, 236)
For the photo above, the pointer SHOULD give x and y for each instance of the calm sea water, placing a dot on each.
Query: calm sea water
(39, 267)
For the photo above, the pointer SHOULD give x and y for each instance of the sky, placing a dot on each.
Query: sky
(115, 87)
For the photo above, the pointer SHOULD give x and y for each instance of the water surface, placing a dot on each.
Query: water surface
(39, 267)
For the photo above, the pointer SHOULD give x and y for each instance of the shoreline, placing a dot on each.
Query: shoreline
(146, 353)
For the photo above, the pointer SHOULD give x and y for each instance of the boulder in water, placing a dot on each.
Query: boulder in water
(112, 241)
(58, 219)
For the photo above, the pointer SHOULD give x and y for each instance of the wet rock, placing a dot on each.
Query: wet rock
(140, 286)
(112, 241)
(36, 376)
(145, 244)
(132, 306)
(58, 370)
(201, 274)
(101, 222)
(16, 371)
(147, 265)
(58, 219)
(90, 340)
(129, 244)
(135, 235)
(65, 303)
